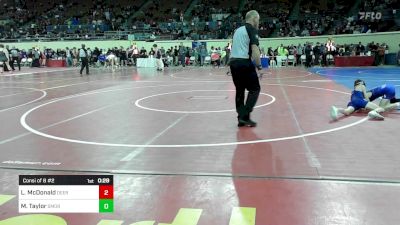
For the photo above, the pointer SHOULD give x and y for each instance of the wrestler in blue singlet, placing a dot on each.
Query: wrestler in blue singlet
(357, 100)
(387, 91)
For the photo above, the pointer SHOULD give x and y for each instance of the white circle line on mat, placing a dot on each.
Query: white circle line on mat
(44, 93)
(137, 102)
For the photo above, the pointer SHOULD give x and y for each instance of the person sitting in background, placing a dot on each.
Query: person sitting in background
(143, 53)
(215, 57)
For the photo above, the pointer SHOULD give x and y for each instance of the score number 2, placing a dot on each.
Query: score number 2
(106, 192)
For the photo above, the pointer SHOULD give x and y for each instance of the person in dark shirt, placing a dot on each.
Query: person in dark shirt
(143, 53)
(307, 51)
(175, 54)
(15, 57)
(317, 53)
(152, 52)
(123, 56)
(181, 54)
(360, 49)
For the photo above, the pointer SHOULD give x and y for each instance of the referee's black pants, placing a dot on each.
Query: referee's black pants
(84, 63)
(244, 77)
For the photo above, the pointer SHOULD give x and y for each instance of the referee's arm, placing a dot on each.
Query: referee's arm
(255, 54)
(254, 43)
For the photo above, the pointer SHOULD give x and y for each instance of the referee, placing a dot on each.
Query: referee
(244, 75)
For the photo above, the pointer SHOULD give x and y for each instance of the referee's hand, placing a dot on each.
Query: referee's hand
(260, 71)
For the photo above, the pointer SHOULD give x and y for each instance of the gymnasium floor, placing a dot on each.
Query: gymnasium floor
(172, 143)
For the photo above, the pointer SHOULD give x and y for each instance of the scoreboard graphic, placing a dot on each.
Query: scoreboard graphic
(66, 194)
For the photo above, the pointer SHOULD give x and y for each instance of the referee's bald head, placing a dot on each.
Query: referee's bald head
(253, 18)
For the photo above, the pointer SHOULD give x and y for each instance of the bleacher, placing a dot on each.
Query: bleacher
(78, 19)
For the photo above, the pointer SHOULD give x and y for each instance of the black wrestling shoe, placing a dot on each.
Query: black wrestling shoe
(247, 123)
(240, 124)
(394, 100)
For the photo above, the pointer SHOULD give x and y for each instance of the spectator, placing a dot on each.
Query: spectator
(360, 49)
(381, 54)
(300, 52)
(4, 58)
(317, 53)
(203, 54)
(307, 51)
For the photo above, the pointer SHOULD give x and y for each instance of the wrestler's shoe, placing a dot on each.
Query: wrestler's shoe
(334, 113)
(375, 115)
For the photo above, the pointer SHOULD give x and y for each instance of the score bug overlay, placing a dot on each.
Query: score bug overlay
(66, 194)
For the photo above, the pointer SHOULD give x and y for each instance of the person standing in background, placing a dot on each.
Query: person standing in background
(15, 56)
(307, 51)
(317, 54)
(299, 54)
(83, 55)
(69, 57)
(228, 53)
(89, 56)
(203, 54)
(322, 51)
(4, 58)
(380, 55)
(182, 53)
(75, 56)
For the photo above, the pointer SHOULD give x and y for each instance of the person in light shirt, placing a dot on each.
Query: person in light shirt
(4, 58)
(330, 46)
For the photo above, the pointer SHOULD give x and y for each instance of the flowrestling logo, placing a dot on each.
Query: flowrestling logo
(370, 15)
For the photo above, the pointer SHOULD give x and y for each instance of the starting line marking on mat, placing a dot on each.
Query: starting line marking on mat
(216, 97)
(29, 128)
(137, 102)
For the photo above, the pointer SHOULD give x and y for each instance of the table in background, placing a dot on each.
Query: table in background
(342, 61)
(56, 63)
